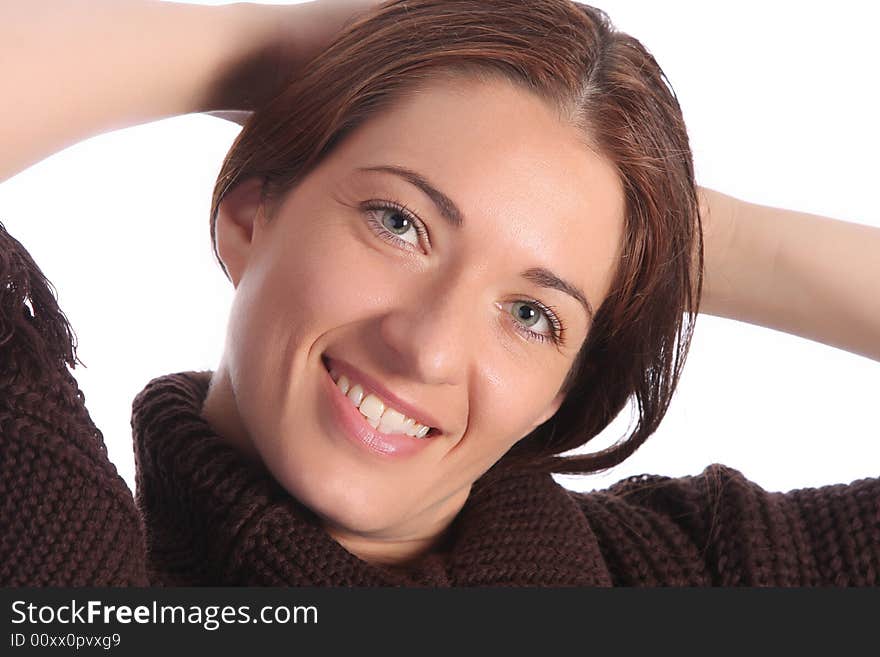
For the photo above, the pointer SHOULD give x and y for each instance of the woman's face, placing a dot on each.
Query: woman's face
(455, 317)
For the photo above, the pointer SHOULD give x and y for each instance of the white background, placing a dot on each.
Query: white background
(781, 102)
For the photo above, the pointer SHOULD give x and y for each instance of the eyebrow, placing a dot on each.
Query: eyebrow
(455, 217)
(448, 209)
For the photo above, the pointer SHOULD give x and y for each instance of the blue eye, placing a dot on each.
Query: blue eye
(395, 221)
(526, 316)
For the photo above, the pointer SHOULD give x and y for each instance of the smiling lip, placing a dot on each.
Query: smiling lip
(358, 430)
(372, 385)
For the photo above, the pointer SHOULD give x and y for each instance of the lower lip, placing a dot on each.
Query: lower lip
(359, 431)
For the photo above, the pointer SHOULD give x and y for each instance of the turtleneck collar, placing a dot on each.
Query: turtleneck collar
(212, 517)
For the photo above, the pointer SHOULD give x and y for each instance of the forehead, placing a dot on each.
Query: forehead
(513, 167)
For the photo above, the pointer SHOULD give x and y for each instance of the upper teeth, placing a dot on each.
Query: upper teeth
(381, 417)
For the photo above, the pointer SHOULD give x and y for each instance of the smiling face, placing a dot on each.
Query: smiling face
(452, 320)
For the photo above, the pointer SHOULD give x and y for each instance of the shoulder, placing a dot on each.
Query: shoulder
(69, 518)
(741, 534)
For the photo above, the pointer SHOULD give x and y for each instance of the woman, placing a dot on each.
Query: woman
(355, 434)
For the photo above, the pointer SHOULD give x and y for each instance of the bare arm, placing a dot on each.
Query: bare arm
(72, 69)
(812, 276)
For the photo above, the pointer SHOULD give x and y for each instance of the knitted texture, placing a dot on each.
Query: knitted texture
(205, 515)
(66, 516)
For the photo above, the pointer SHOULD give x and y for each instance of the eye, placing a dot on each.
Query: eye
(395, 223)
(531, 313)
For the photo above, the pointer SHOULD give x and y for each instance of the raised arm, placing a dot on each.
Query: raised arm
(804, 274)
(73, 69)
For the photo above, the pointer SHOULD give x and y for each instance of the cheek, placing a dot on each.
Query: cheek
(307, 281)
(332, 287)
(327, 276)
(510, 402)
(303, 284)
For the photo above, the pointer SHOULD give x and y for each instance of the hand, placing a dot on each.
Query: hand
(286, 38)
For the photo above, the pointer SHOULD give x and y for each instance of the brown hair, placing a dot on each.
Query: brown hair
(602, 81)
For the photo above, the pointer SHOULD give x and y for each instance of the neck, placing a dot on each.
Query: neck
(220, 410)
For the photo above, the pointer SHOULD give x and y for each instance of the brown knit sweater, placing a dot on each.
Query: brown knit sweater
(205, 516)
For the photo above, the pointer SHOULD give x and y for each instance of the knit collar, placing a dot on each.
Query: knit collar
(214, 518)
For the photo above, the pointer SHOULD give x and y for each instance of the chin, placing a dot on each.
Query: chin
(354, 515)
(340, 502)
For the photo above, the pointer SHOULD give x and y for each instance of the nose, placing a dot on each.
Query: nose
(431, 331)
